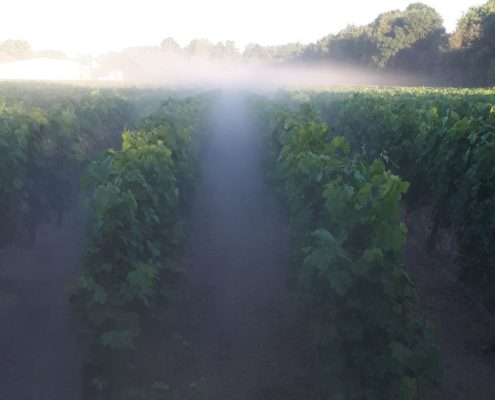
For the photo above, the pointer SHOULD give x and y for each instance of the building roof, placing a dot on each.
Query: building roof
(45, 68)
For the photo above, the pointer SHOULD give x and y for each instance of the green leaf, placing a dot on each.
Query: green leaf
(119, 339)
(408, 388)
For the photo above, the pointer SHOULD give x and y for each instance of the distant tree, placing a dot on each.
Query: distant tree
(423, 36)
(254, 51)
(471, 27)
(274, 54)
(415, 32)
(469, 59)
(200, 48)
(139, 64)
(226, 50)
(11, 50)
(170, 46)
(354, 44)
(392, 40)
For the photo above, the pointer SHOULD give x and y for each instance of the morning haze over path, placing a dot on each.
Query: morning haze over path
(243, 332)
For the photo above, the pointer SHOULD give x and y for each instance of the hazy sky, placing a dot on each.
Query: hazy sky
(97, 26)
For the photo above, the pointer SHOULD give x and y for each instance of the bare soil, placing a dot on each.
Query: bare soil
(39, 355)
(466, 329)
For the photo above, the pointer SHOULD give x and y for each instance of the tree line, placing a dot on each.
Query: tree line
(412, 41)
(415, 41)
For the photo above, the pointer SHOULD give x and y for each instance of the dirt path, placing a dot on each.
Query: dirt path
(39, 356)
(465, 329)
(237, 334)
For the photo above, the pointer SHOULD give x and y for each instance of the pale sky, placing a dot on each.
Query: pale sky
(99, 26)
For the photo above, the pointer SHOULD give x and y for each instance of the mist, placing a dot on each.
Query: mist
(258, 76)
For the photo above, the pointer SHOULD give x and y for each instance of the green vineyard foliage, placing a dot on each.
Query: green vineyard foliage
(49, 135)
(345, 219)
(135, 230)
(443, 142)
(42, 154)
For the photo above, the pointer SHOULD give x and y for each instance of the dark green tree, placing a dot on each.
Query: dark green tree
(470, 56)
(408, 39)
(423, 36)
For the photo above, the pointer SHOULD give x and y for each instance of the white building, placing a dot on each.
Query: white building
(44, 68)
